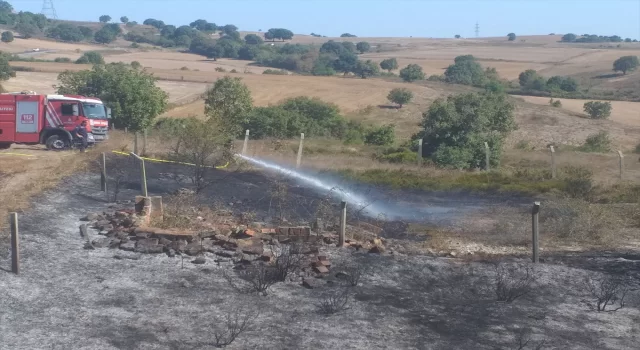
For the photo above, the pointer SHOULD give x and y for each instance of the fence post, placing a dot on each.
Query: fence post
(420, 152)
(246, 142)
(103, 173)
(144, 142)
(135, 142)
(15, 244)
(553, 162)
(621, 161)
(126, 130)
(343, 223)
(143, 175)
(535, 231)
(300, 151)
(487, 157)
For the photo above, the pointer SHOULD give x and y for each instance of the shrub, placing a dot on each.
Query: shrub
(465, 71)
(275, 72)
(7, 37)
(411, 73)
(235, 323)
(136, 65)
(404, 156)
(578, 182)
(598, 110)
(91, 57)
(637, 150)
(455, 129)
(220, 69)
(513, 281)
(600, 142)
(436, 77)
(511, 36)
(233, 71)
(335, 300)
(62, 60)
(380, 136)
(389, 64)
(625, 64)
(400, 96)
(288, 260)
(184, 68)
(134, 45)
(555, 103)
(608, 291)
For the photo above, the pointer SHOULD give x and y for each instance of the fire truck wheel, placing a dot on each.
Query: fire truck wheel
(55, 142)
(5, 145)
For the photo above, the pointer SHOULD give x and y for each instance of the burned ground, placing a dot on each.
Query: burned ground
(69, 297)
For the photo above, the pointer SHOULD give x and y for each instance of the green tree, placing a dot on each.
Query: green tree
(348, 35)
(131, 94)
(389, 64)
(26, 30)
(412, 73)
(332, 47)
(168, 30)
(86, 32)
(380, 136)
(349, 47)
(226, 102)
(183, 41)
(363, 47)
(274, 121)
(345, 63)
(65, 32)
(365, 69)
(105, 19)
(124, 19)
(154, 23)
(527, 78)
(465, 71)
(136, 65)
(511, 36)
(6, 71)
(91, 57)
(626, 64)
(107, 34)
(228, 28)
(598, 110)
(5, 7)
(457, 36)
(569, 38)
(279, 33)
(400, 96)
(455, 129)
(252, 39)
(7, 37)
(320, 118)
(562, 83)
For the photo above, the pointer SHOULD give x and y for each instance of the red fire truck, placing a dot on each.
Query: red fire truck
(29, 118)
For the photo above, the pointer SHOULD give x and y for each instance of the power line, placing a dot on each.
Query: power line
(477, 30)
(48, 10)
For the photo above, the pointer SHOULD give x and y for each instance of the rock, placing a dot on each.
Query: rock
(115, 243)
(255, 250)
(453, 254)
(266, 256)
(171, 253)
(200, 260)
(128, 246)
(311, 283)
(90, 217)
(377, 249)
(220, 239)
(101, 242)
(224, 253)
(220, 261)
(164, 241)
(193, 249)
(103, 233)
(248, 259)
(88, 246)
(107, 227)
(149, 246)
(342, 276)
(178, 246)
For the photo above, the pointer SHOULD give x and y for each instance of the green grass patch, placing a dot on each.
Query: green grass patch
(495, 181)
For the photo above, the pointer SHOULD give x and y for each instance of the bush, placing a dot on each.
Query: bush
(400, 96)
(608, 291)
(513, 281)
(436, 77)
(335, 301)
(235, 323)
(555, 103)
(275, 72)
(625, 64)
(90, 57)
(466, 71)
(184, 68)
(402, 156)
(380, 136)
(220, 69)
(389, 64)
(598, 110)
(62, 60)
(7, 37)
(233, 71)
(136, 65)
(511, 36)
(455, 129)
(65, 32)
(411, 73)
(134, 45)
(600, 142)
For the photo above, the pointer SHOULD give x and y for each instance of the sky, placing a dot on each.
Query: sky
(374, 18)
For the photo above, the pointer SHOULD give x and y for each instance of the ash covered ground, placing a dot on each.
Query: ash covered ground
(68, 297)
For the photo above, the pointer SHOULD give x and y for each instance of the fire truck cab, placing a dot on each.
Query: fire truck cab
(29, 118)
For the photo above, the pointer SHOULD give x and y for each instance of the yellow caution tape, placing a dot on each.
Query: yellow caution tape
(169, 161)
(17, 154)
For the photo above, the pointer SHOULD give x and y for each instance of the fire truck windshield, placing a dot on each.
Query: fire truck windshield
(94, 111)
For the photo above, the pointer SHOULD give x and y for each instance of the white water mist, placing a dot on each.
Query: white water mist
(358, 200)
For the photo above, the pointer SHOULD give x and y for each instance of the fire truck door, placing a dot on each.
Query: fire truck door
(27, 117)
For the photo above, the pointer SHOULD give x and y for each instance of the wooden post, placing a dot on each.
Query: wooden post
(343, 224)
(535, 232)
(487, 159)
(420, 152)
(300, 151)
(621, 164)
(553, 162)
(15, 243)
(126, 130)
(246, 142)
(135, 142)
(143, 175)
(103, 173)
(144, 142)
